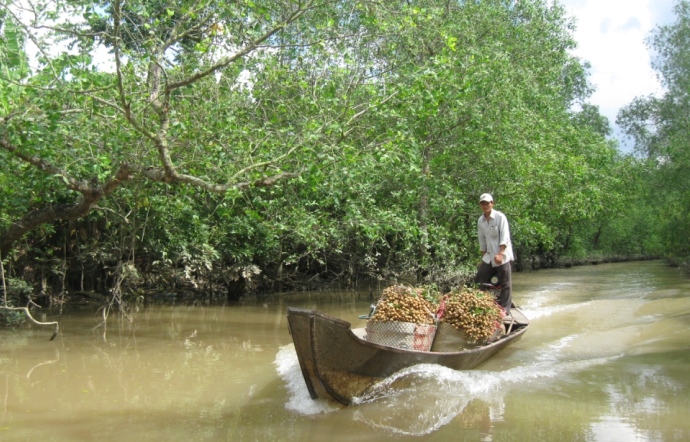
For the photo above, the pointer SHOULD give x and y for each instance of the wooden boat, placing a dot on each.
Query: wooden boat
(338, 363)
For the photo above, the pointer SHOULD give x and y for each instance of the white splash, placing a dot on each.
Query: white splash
(299, 401)
(421, 399)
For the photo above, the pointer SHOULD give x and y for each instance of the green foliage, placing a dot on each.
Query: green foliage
(391, 117)
(659, 127)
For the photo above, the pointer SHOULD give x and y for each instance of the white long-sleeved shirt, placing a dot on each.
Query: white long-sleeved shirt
(492, 235)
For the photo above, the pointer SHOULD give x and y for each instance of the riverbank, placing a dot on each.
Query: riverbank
(567, 261)
(369, 285)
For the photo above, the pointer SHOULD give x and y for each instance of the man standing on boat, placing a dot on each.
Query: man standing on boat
(496, 250)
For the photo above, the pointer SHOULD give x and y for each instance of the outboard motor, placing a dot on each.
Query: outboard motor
(491, 287)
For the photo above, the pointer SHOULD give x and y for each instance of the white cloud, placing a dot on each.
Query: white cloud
(611, 36)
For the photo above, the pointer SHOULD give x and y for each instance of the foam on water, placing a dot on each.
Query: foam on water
(597, 317)
(287, 365)
(536, 311)
(421, 399)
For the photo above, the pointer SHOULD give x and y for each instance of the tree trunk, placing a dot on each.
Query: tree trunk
(90, 195)
(424, 206)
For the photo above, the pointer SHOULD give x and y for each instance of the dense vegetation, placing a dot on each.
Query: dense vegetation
(659, 127)
(261, 145)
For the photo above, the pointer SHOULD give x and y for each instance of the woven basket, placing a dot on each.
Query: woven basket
(405, 335)
(450, 339)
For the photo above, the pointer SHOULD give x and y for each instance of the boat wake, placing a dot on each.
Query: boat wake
(299, 400)
(421, 399)
(574, 336)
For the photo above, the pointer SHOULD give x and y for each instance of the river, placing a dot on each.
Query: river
(605, 359)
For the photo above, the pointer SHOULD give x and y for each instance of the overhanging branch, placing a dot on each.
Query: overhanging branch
(159, 175)
(26, 311)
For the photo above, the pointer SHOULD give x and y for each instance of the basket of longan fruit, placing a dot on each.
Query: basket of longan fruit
(422, 319)
(403, 318)
(468, 318)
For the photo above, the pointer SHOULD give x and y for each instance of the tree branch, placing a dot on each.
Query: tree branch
(32, 319)
(225, 61)
(161, 176)
(90, 195)
(5, 306)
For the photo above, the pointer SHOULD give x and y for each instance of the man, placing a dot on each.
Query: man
(496, 250)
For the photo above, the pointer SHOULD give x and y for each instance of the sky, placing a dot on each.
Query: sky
(611, 36)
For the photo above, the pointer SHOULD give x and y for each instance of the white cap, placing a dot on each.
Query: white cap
(486, 197)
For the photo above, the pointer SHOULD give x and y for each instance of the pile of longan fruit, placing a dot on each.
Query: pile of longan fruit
(467, 309)
(474, 312)
(404, 304)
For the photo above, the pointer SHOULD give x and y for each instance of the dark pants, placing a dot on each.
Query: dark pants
(484, 274)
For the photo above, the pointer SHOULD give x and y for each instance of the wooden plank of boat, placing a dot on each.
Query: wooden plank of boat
(337, 362)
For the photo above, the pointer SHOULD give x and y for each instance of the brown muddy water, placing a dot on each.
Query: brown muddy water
(605, 359)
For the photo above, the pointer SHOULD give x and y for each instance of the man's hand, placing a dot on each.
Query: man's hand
(499, 258)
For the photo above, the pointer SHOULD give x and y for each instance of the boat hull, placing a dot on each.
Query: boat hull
(338, 364)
